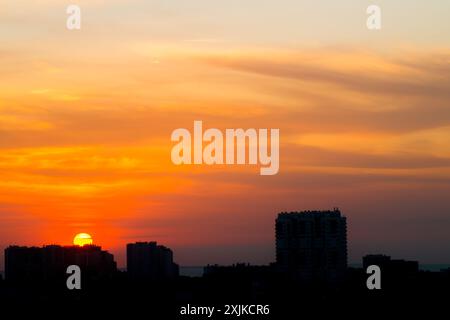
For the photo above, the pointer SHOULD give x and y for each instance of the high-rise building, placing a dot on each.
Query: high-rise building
(148, 260)
(312, 245)
(31, 264)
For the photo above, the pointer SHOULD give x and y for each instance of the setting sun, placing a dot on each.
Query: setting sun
(82, 239)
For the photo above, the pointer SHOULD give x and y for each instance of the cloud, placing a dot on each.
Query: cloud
(397, 80)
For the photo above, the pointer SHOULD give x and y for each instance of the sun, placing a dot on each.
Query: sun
(82, 239)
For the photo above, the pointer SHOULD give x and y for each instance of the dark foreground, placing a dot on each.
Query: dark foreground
(278, 296)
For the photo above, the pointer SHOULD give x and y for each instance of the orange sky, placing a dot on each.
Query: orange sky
(85, 144)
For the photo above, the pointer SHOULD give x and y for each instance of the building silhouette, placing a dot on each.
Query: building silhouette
(312, 245)
(395, 268)
(311, 249)
(49, 263)
(150, 261)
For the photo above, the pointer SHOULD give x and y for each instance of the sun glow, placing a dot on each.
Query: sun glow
(82, 239)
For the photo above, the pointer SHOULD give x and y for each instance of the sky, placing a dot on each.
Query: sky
(86, 118)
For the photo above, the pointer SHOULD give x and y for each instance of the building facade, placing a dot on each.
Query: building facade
(312, 245)
(148, 260)
(49, 263)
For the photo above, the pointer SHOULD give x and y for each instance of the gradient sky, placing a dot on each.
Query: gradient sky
(86, 118)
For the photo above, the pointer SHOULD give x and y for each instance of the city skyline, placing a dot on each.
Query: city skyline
(310, 269)
(312, 241)
(330, 226)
